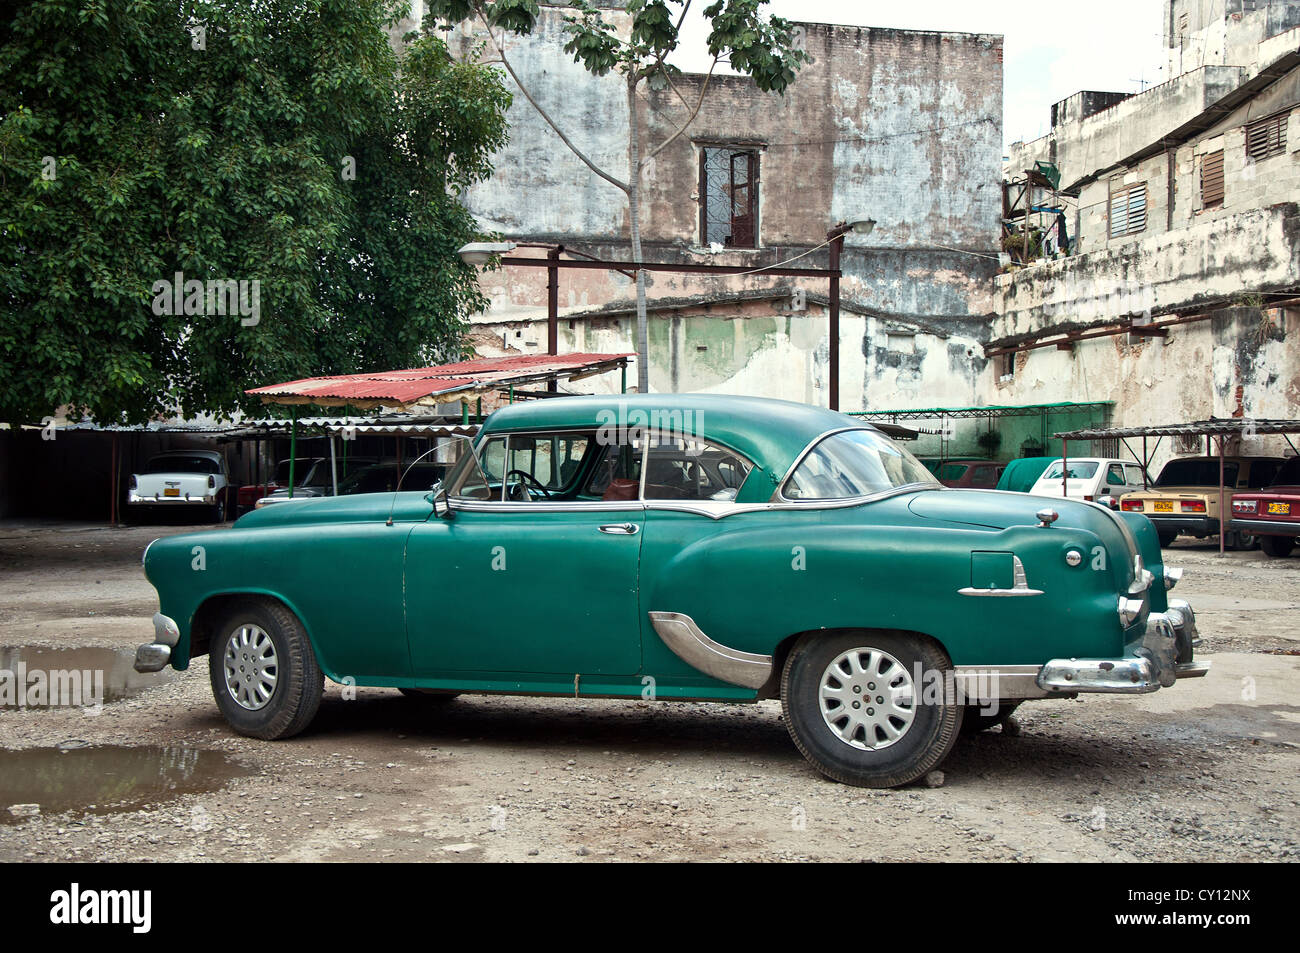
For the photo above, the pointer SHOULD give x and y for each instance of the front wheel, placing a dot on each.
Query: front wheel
(979, 718)
(264, 673)
(872, 709)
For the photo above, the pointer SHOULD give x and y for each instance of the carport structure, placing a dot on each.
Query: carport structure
(1217, 429)
(423, 389)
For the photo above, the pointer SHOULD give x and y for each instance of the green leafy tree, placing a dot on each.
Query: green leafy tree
(758, 46)
(283, 144)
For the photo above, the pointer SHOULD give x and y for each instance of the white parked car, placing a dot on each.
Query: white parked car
(182, 478)
(1095, 479)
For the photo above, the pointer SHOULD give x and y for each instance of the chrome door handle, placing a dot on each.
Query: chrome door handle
(620, 529)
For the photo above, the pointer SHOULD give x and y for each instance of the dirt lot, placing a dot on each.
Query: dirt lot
(1207, 771)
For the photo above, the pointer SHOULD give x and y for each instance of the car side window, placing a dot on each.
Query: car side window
(1134, 474)
(688, 468)
(616, 474)
(1115, 475)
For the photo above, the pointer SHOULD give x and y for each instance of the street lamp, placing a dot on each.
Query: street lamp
(835, 236)
(480, 253)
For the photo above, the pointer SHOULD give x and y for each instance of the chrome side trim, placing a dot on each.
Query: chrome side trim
(680, 633)
(977, 683)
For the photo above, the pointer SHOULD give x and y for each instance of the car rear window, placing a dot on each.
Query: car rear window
(1198, 472)
(182, 464)
(854, 463)
(952, 471)
(1289, 473)
(1079, 470)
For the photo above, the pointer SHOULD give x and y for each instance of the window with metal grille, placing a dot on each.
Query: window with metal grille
(1128, 210)
(1212, 179)
(1266, 137)
(729, 197)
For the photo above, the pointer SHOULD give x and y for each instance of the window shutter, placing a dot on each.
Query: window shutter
(1128, 210)
(1212, 179)
(1266, 137)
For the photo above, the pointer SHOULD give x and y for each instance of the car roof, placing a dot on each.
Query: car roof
(214, 454)
(771, 433)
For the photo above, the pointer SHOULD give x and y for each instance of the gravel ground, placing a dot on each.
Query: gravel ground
(1206, 771)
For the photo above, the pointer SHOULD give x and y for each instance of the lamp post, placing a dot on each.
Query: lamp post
(836, 238)
(478, 254)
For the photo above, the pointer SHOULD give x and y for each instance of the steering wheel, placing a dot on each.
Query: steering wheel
(525, 479)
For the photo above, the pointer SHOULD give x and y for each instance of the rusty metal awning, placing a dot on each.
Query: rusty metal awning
(1214, 427)
(404, 425)
(430, 386)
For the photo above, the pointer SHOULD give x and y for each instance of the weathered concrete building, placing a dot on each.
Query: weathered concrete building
(902, 127)
(1177, 299)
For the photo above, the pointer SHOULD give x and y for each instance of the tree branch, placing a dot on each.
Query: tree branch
(500, 48)
(704, 88)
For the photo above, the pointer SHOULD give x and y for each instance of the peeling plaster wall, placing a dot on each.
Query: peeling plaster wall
(764, 347)
(1239, 362)
(1103, 139)
(900, 126)
(1253, 251)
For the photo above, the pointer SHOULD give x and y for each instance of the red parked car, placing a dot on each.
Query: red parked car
(977, 474)
(1273, 513)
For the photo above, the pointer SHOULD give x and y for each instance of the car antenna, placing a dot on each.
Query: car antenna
(393, 505)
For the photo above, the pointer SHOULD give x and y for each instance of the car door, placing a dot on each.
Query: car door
(536, 570)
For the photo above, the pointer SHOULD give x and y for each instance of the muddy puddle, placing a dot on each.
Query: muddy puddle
(103, 779)
(85, 677)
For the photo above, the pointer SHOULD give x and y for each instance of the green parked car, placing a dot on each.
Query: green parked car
(682, 547)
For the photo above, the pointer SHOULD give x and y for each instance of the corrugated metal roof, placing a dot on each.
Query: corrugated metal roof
(421, 385)
(1214, 427)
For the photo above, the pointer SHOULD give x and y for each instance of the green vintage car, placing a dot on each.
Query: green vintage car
(683, 547)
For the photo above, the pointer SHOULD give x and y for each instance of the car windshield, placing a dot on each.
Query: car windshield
(1197, 472)
(182, 464)
(1079, 470)
(855, 463)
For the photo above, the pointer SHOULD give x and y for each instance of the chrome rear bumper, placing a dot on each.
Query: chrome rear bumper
(1164, 657)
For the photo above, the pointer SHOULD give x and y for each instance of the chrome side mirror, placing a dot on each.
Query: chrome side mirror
(437, 498)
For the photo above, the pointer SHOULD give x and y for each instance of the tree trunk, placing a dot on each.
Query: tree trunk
(634, 206)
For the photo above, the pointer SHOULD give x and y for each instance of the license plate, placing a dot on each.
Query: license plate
(1162, 506)
(1279, 509)
(171, 491)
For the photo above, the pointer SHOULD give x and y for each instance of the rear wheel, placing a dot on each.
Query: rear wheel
(263, 671)
(1277, 545)
(870, 708)
(1239, 541)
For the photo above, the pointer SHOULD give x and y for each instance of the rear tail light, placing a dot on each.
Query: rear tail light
(1088, 498)
(1132, 506)
(212, 483)
(1243, 506)
(1193, 506)
(134, 484)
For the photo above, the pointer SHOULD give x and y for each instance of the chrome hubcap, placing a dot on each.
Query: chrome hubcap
(867, 699)
(251, 667)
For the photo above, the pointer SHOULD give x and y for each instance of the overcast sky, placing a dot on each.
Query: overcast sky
(1051, 50)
